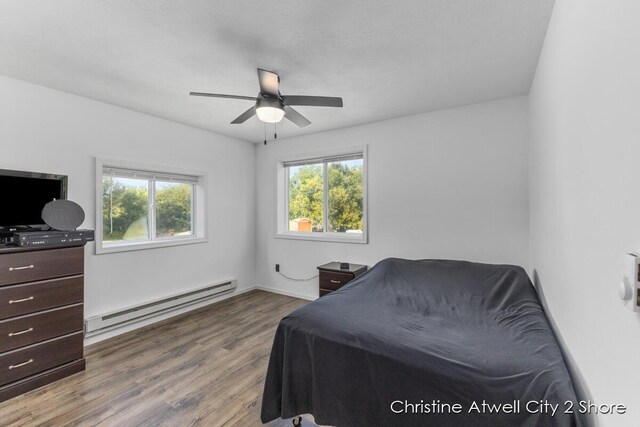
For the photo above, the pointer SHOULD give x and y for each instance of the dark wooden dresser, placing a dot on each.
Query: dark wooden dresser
(332, 277)
(41, 317)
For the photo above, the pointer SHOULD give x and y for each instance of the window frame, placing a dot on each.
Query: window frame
(198, 210)
(282, 198)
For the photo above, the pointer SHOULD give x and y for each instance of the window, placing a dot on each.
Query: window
(324, 198)
(142, 208)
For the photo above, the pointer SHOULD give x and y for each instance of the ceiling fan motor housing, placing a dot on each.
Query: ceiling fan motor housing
(266, 101)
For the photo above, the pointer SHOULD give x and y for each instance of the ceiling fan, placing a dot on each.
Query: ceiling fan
(271, 106)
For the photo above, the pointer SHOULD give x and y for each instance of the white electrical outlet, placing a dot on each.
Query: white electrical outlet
(629, 290)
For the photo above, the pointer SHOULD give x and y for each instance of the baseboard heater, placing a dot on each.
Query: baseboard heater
(115, 319)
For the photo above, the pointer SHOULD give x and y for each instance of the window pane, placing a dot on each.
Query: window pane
(174, 209)
(345, 196)
(305, 198)
(125, 210)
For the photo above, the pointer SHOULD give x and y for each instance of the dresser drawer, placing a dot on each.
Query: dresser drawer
(30, 360)
(33, 328)
(31, 297)
(21, 267)
(333, 281)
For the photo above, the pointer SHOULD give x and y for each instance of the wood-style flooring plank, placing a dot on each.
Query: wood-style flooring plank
(203, 368)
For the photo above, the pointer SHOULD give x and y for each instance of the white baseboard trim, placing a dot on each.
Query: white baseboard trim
(136, 325)
(287, 293)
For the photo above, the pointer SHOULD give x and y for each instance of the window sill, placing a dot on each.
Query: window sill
(322, 237)
(138, 246)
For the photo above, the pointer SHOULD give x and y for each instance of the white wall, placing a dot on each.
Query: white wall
(449, 184)
(584, 159)
(50, 131)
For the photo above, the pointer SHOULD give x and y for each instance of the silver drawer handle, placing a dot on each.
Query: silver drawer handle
(335, 281)
(26, 267)
(13, 334)
(13, 301)
(20, 364)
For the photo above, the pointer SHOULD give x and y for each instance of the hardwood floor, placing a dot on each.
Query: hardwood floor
(205, 368)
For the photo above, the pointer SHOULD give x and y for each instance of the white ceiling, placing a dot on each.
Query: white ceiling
(385, 58)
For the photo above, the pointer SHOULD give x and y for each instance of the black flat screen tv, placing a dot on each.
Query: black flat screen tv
(24, 194)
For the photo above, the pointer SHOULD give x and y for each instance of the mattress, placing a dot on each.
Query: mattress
(422, 343)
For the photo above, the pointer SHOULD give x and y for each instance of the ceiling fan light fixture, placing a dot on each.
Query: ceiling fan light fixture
(270, 114)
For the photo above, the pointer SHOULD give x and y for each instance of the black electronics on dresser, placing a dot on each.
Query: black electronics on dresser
(37, 213)
(52, 238)
(24, 194)
(63, 215)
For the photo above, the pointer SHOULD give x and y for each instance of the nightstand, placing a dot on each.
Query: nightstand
(332, 277)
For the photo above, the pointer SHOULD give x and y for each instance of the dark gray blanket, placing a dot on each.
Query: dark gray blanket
(430, 333)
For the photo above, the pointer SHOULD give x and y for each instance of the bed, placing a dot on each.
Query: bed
(407, 341)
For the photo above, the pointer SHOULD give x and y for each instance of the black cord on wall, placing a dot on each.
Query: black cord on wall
(297, 280)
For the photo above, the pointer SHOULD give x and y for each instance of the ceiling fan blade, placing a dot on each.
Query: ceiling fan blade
(295, 117)
(269, 82)
(218, 95)
(245, 116)
(315, 101)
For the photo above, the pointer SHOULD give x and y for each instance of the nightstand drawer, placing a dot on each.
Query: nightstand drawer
(24, 267)
(332, 280)
(30, 329)
(28, 298)
(27, 361)
(324, 292)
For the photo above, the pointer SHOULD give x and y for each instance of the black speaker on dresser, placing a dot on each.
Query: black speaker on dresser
(63, 215)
